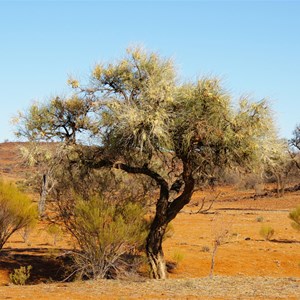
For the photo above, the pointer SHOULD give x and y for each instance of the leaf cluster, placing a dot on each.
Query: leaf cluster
(16, 211)
(59, 119)
(136, 110)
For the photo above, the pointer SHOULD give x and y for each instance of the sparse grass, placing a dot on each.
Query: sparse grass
(178, 256)
(205, 249)
(260, 219)
(266, 232)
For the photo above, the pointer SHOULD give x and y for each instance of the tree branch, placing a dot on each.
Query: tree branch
(184, 198)
(146, 171)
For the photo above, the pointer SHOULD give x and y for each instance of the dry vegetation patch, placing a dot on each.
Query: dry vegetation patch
(220, 287)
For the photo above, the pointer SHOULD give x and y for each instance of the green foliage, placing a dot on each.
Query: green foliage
(295, 217)
(134, 108)
(266, 232)
(16, 211)
(21, 275)
(61, 119)
(105, 233)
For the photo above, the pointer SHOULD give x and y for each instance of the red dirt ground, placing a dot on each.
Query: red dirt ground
(246, 265)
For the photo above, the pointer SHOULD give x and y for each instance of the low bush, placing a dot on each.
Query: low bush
(105, 234)
(16, 211)
(21, 275)
(267, 232)
(295, 217)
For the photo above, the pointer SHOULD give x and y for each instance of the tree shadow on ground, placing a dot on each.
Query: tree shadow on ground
(283, 241)
(47, 264)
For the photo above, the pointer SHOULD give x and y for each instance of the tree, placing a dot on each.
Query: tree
(295, 140)
(46, 161)
(294, 143)
(143, 122)
(278, 164)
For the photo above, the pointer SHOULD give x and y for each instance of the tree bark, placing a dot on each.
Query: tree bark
(154, 251)
(280, 185)
(165, 212)
(43, 195)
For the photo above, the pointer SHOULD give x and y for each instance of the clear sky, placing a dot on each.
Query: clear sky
(253, 45)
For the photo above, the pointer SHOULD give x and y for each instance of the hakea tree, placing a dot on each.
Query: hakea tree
(133, 115)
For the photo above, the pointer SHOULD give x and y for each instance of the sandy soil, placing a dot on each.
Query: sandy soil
(246, 265)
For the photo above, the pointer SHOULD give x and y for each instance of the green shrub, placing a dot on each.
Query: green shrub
(21, 275)
(16, 211)
(295, 217)
(105, 233)
(266, 232)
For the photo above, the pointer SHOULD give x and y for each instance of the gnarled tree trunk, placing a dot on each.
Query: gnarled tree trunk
(154, 250)
(43, 195)
(165, 212)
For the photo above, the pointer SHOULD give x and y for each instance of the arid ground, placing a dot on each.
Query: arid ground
(246, 265)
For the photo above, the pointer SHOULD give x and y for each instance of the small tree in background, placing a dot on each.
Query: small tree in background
(135, 117)
(16, 211)
(295, 140)
(279, 164)
(220, 232)
(294, 143)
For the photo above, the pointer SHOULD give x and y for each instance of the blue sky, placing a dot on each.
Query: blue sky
(254, 46)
